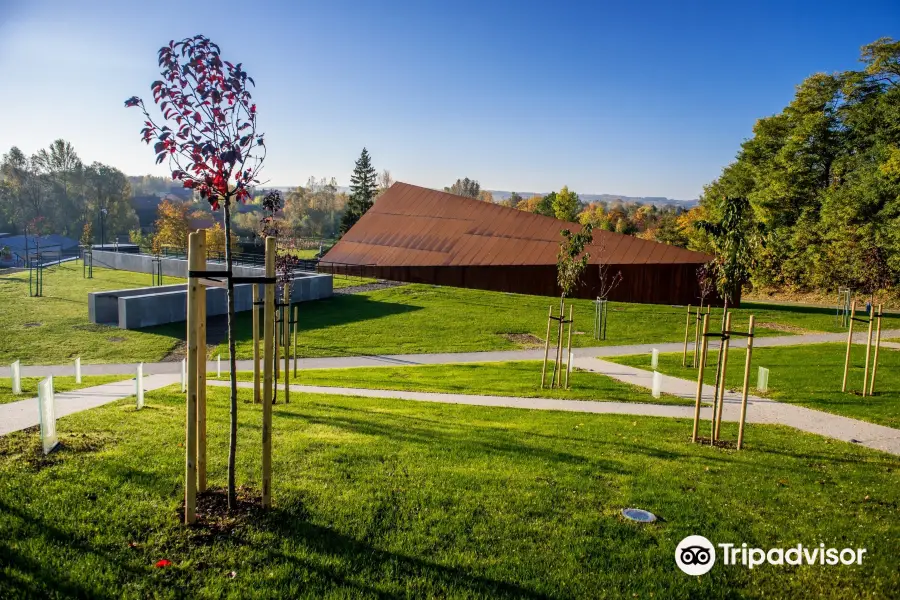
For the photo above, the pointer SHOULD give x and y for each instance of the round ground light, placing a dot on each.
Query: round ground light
(636, 514)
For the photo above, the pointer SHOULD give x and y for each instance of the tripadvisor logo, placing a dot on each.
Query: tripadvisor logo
(696, 555)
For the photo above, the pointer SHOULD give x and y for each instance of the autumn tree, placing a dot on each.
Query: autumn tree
(215, 241)
(566, 205)
(513, 201)
(172, 224)
(87, 235)
(385, 181)
(465, 187)
(540, 205)
(207, 133)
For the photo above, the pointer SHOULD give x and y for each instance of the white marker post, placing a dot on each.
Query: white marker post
(16, 372)
(183, 374)
(78, 370)
(654, 359)
(218, 366)
(657, 384)
(139, 386)
(762, 380)
(47, 413)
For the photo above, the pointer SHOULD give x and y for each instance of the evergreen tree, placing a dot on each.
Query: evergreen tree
(363, 189)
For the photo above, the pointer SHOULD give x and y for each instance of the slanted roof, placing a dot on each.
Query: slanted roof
(417, 227)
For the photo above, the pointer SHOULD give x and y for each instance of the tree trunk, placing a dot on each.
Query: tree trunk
(232, 362)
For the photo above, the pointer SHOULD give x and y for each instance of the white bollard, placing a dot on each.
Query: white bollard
(47, 414)
(183, 374)
(762, 380)
(78, 370)
(16, 373)
(218, 366)
(139, 386)
(654, 359)
(657, 384)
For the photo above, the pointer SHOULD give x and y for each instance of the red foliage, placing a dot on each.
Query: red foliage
(208, 127)
(163, 563)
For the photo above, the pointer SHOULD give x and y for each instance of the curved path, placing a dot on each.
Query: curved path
(339, 362)
(21, 415)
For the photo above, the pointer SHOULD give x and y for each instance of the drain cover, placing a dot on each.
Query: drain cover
(636, 514)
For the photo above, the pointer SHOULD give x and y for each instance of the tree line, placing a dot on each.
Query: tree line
(53, 191)
(821, 183)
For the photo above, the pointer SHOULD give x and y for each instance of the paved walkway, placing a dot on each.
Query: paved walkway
(16, 416)
(759, 410)
(21, 415)
(387, 360)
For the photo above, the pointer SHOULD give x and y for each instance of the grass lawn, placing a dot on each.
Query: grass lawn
(344, 281)
(806, 375)
(306, 254)
(423, 318)
(55, 329)
(517, 378)
(60, 384)
(384, 499)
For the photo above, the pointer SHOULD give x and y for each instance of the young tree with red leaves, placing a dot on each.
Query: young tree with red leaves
(208, 134)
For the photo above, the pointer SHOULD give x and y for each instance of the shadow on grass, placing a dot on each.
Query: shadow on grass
(488, 440)
(318, 314)
(792, 308)
(367, 562)
(30, 578)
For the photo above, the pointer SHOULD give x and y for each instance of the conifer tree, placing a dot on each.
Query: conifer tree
(363, 189)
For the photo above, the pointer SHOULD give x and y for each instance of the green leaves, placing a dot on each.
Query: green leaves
(571, 259)
(822, 179)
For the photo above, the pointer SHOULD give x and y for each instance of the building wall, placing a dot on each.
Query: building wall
(645, 284)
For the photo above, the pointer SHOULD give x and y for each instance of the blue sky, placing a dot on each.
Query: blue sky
(632, 98)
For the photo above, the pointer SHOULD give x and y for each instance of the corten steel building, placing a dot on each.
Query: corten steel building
(418, 235)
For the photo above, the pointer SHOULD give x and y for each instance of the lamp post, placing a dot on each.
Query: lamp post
(103, 213)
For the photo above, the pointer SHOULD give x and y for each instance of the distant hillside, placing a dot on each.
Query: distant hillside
(585, 198)
(610, 198)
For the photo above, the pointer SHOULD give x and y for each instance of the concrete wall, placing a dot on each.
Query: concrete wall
(171, 267)
(145, 307)
(103, 307)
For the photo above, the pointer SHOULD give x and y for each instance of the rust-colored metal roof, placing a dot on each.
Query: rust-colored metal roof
(412, 226)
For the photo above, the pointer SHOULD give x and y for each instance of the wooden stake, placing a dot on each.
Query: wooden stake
(190, 442)
(746, 388)
(708, 312)
(256, 382)
(697, 333)
(546, 346)
(569, 349)
(278, 313)
(687, 326)
(868, 349)
(715, 403)
(268, 360)
(849, 343)
(701, 368)
(557, 365)
(877, 346)
(296, 329)
(287, 343)
(201, 368)
(725, 346)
